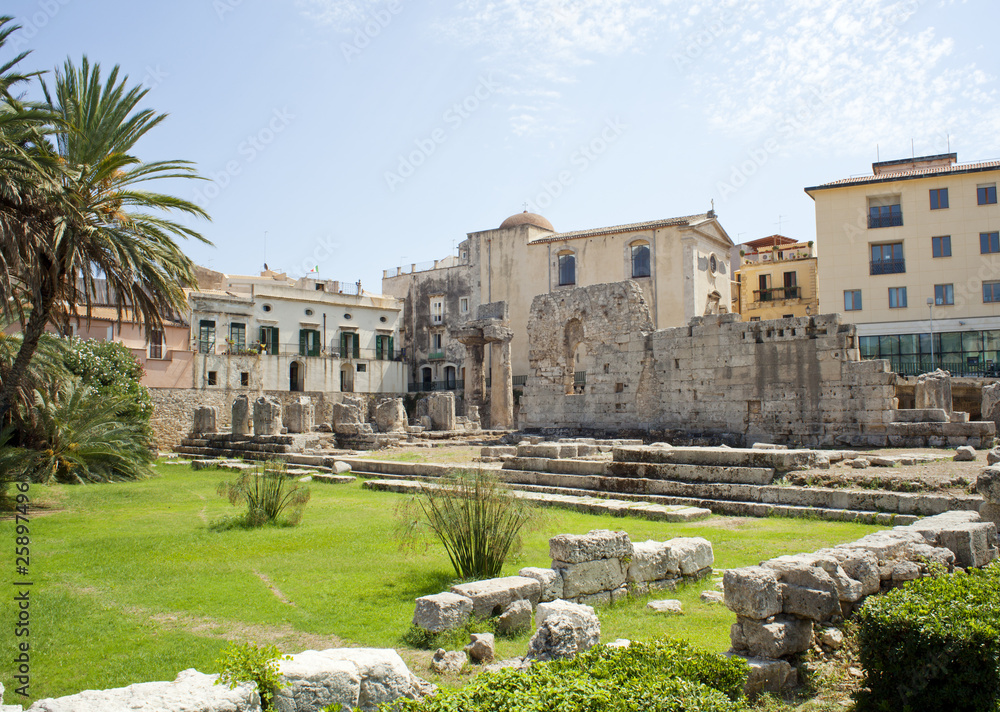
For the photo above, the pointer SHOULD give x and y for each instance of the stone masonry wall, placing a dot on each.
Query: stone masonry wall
(797, 381)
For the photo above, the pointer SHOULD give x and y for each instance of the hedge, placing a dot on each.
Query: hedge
(933, 644)
(658, 676)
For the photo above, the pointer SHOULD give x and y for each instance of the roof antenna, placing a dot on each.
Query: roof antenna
(878, 158)
(949, 142)
(913, 153)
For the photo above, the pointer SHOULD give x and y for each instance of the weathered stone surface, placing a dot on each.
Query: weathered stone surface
(563, 630)
(773, 638)
(266, 416)
(767, 675)
(241, 415)
(990, 512)
(205, 420)
(482, 648)
(694, 554)
(315, 681)
(300, 417)
(492, 596)
(597, 544)
(549, 580)
(666, 606)
(348, 417)
(988, 484)
(653, 561)
(712, 597)
(590, 577)
(441, 410)
(807, 589)
(384, 675)
(933, 390)
(442, 611)
(192, 691)
(832, 638)
(752, 592)
(860, 565)
(990, 404)
(993, 456)
(965, 454)
(516, 619)
(974, 544)
(390, 416)
(450, 662)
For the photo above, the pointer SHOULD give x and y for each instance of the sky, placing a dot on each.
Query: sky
(353, 136)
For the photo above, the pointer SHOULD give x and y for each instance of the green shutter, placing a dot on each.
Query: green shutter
(303, 342)
(275, 342)
(357, 347)
(378, 348)
(343, 344)
(314, 343)
(391, 352)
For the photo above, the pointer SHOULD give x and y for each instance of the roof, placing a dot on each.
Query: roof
(771, 241)
(630, 227)
(105, 313)
(912, 174)
(527, 218)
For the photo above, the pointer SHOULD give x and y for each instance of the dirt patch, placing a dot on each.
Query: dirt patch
(274, 589)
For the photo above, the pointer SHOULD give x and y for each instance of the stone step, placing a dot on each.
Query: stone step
(691, 473)
(780, 461)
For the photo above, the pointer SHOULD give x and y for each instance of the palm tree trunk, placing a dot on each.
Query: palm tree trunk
(33, 331)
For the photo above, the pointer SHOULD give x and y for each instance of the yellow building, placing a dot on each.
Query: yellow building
(911, 254)
(776, 279)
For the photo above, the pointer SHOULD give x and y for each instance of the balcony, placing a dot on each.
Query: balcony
(891, 220)
(897, 266)
(777, 294)
(435, 356)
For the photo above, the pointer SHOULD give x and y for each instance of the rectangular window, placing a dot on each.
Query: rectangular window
(991, 292)
(986, 194)
(887, 259)
(463, 305)
(941, 246)
(944, 294)
(269, 340)
(156, 344)
(755, 318)
(350, 345)
(436, 342)
(309, 342)
(362, 367)
(764, 292)
(989, 242)
(206, 336)
(939, 199)
(383, 347)
(640, 260)
(791, 285)
(567, 270)
(884, 211)
(213, 378)
(852, 300)
(238, 337)
(897, 297)
(437, 310)
(244, 378)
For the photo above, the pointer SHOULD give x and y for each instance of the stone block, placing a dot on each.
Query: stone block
(990, 404)
(752, 592)
(773, 638)
(990, 512)
(694, 554)
(767, 675)
(590, 577)
(933, 390)
(804, 602)
(516, 619)
(974, 544)
(390, 416)
(441, 410)
(860, 565)
(964, 453)
(597, 544)
(241, 415)
(563, 630)
(481, 648)
(442, 611)
(653, 561)
(205, 418)
(666, 606)
(314, 682)
(300, 416)
(549, 580)
(988, 484)
(993, 456)
(492, 596)
(267, 416)
(384, 676)
(449, 662)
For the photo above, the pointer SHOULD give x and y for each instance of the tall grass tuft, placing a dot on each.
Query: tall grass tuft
(266, 493)
(476, 517)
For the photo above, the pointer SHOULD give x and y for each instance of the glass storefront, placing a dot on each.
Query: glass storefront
(963, 353)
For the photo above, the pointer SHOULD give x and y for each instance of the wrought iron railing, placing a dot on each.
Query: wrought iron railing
(894, 220)
(897, 266)
(776, 294)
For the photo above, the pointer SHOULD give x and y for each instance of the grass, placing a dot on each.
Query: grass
(131, 584)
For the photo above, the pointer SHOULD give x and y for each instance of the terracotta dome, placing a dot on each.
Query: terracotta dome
(527, 218)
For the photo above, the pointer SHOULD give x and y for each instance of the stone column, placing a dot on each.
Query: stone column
(501, 378)
(241, 415)
(204, 419)
(266, 416)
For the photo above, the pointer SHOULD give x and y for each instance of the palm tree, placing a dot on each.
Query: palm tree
(102, 222)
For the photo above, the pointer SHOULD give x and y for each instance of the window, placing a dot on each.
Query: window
(213, 378)
(463, 305)
(884, 211)
(852, 300)
(763, 293)
(266, 307)
(640, 260)
(350, 346)
(238, 335)
(897, 297)
(156, 344)
(244, 378)
(887, 259)
(383, 347)
(362, 367)
(206, 336)
(713, 264)
(939, 199)
(991, 292)
(437, 310)
(986, 194)
(755, 318)
(435, 342)
(791, 290)
(308, 342)
(944, 294)
(989, 242)
(269, 339)
(941, 246)
(309, 312)
(567, 269)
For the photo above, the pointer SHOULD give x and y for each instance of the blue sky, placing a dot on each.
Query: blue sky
(364, 134)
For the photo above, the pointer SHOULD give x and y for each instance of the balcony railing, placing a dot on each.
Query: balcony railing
(887, 266)
(427, 386)
(777, 294)
(885, 220)
(435, 356)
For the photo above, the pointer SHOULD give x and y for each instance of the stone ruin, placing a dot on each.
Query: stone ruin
(390, 416)
(267, 417)
(301, 416)
(437, 413)
(205, 418)
(241, 415)
(490, 328)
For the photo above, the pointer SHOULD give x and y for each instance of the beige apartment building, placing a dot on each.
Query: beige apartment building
(911, 255)
(776, 279)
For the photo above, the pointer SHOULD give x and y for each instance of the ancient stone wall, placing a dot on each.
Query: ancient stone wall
(598, 364)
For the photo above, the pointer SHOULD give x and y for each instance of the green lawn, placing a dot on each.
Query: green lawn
(131, 584)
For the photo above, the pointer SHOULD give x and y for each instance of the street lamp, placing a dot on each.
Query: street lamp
(930, 311)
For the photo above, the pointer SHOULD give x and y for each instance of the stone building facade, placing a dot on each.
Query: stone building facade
(795, 381)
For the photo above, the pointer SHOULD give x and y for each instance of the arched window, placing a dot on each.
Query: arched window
(640, 259)
(567, 269)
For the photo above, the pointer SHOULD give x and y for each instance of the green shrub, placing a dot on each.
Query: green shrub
(658, 676)
(933, 644)
(452, 639)
(249, 662)
(111, 370)
(266, 493)
(475, 516)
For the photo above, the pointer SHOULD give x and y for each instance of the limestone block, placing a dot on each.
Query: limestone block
(601, 598)
(516, 619)
(346, 417)
(807, 589)
(815, 604)
(904, 571)
(859, 565)
(449, 662)
(301, 416)
(974, 544)
(205, 420)
(965, 454)
(191, 691)
(767, 675)
(988, 484)
(933, 390)
(384, 676)
(993, 456)
(752, 592)
(442, 611)
(712, 597)
(773, 638)
(990, 512)
(492, 596)
(549, 580)
(266, 416)
(315, 681)
(590, 577)
(694, 554)
(597, 544)
(990, 404)
(390, 416)
(930, 528)
(441, 410)
(481, 648)
(671, 605)
(563, 630)
(653, 561)
(241, 415)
